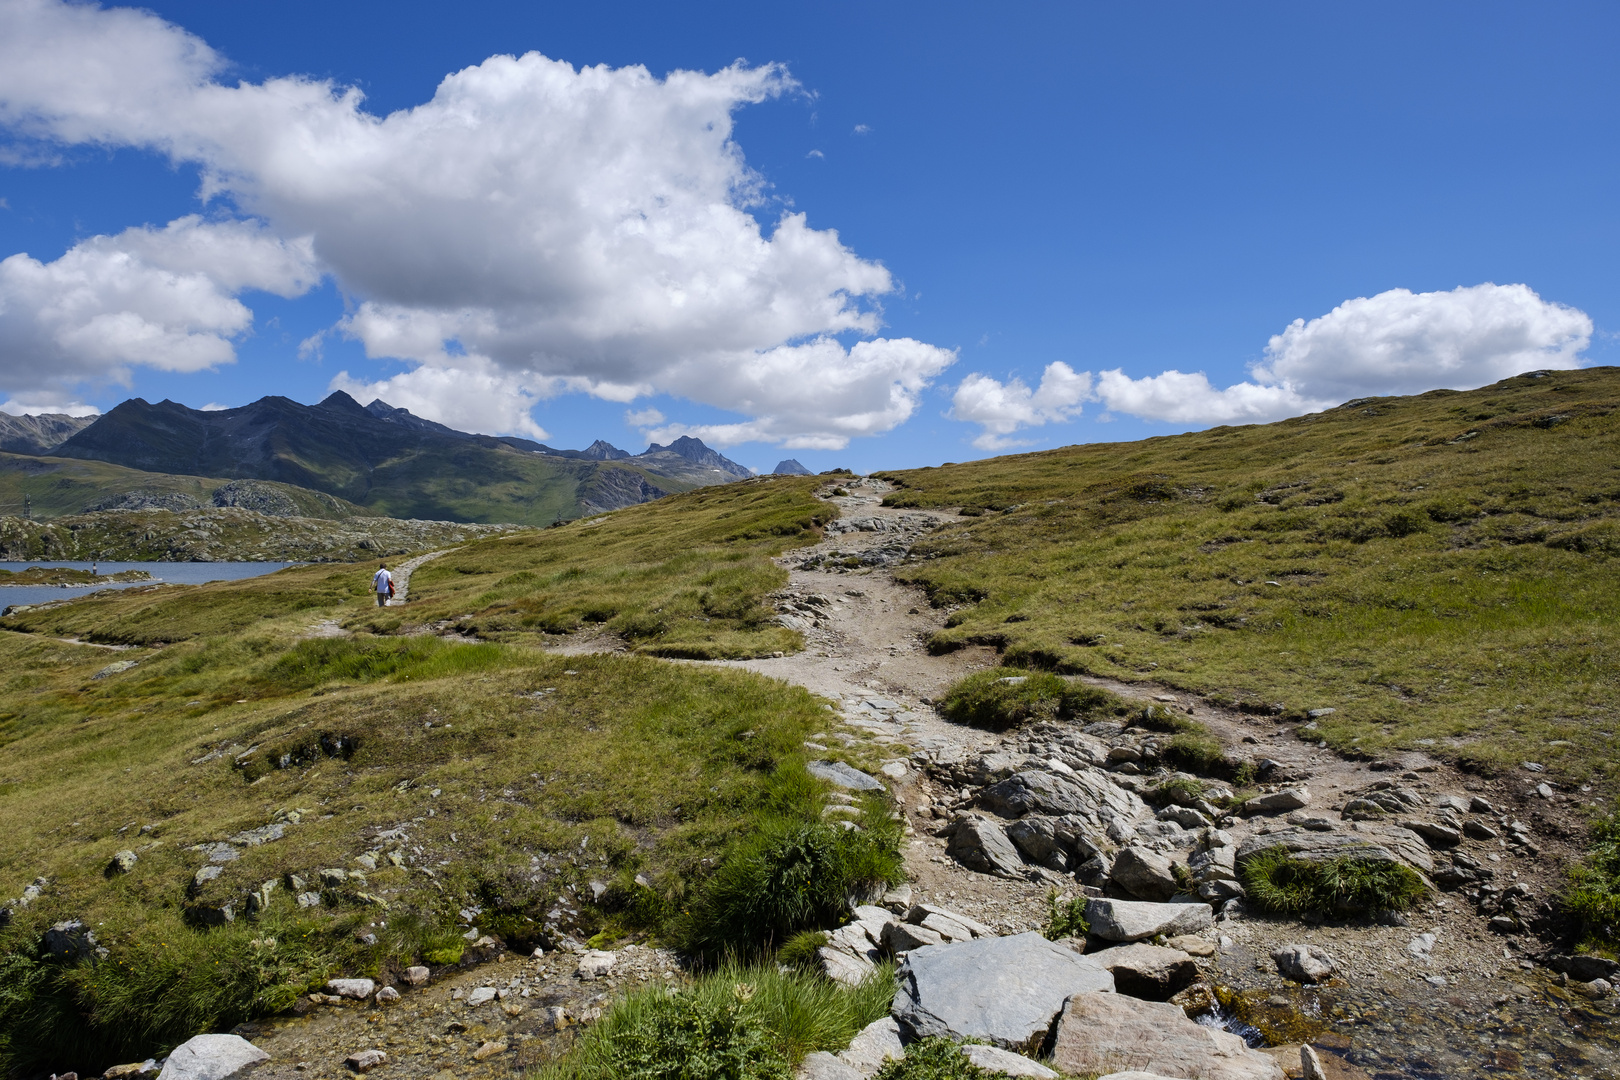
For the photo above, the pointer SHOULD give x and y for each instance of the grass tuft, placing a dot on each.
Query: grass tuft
(1279, 884)
(1065, 918)
(1592, 898)
(931, 1059)
(1005, 697)
(737, 1023)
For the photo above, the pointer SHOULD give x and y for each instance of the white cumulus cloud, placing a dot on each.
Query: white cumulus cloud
(1397, 342)
(576, 229)
(161, 298)
(1002, 408)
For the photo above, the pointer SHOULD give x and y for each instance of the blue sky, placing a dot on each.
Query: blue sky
(1136, 189)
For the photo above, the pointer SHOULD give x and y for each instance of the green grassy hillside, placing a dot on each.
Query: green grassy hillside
(1438, 570)
(57, 487)
(436, 775)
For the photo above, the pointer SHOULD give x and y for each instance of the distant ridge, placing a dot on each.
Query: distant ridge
(39, 434)
(790, 467)
(391, 461)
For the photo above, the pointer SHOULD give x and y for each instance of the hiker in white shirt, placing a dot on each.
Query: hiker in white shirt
(383, 584)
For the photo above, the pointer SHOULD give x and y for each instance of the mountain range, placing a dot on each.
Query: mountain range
(383, 459)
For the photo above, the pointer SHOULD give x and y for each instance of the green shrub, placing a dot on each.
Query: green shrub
(1065, 918)
(1592, 898)
(790, 875)
(734, 1024)
(800, 950)
(1278, 883)
(1182, 790)
(931, 1059)
(1006, 697)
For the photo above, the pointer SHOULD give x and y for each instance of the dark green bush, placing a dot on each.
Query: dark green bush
(1592, 898)
(800, 950)
(790, 875)
(1006, 697)
(1065, 918)
(1278, 883)
(931, 1059)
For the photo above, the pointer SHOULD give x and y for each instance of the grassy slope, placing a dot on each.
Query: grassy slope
(61, 486)
(1438, 569)
(222, 730)
(682, 576)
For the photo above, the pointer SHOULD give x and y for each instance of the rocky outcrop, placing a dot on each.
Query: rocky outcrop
(1004, 991)
(212, 1057)
(1373, 844)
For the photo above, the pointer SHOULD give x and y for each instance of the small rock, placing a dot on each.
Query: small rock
(595, 964)
(482, 995)
(877, 1042)
(1105, 1033)
(1310, 1065)
(982, 845)
(1435, 980)
(1303, 963)
(1307, 821)
(1544, 790)
(308, 899)
(69, 940)
(841, 775)
(357, 989)
(205, 875)
(1145, 874)
(416, 976)
(894, 770)
(1277, 802)
(996, 1061)
(211, 1057)
(1148, 971)
(1477, 805)
(387, 995)
(366, 1060)
(820, 1065)
(489, 1050)
(1478, 830)
(902, 937)
(1191, 944)
(333, 876)
(122, 863)
(1422, 945)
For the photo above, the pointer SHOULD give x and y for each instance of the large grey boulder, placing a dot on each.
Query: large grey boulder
(70, 940)
(1278, 802)
(1372, 843)
(838, 774)
(1137, 920)
(211, 1057)
(1105, 1033)
(1004, 991)
(981, 845)
(1144, 874)
(1149, 972)
(1088, 793)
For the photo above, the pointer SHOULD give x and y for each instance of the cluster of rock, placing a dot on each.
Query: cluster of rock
(895, 535)
(1008, 999)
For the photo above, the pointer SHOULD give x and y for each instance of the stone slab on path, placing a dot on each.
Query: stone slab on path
(1104, 1033)
(841, 775)
(1369, 842)
(1004, 991)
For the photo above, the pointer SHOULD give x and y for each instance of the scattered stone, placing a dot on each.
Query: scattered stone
(1478, 830)
(387, 995)
(1477, 805)
(1106, 1033)
(981, 845)
(1037, 838)
(366, 1060)
(894, 770)
(1303, 963)
(1433, 833)
(1422, 945)
(841, 775)
(489, 1050)
(333, 876)
(1004, 990)
(921, 913)
(211, 1057)
(482, 995)
(114, 668)
(1135, 920)
(903, 937)
(69, 940)
(1307, 821)
(1145, 874)
(416, 976)
(996, 1061)
(356, 989)
(596, 964)
(1149, 971)
(122, 863)
(134, 1071)
(1371, 844)
(1191, 944)
(1277, 802)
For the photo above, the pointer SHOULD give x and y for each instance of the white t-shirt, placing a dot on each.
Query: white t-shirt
(381, 581)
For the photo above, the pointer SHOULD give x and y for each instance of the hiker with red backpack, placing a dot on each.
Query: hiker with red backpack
(383, 583)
